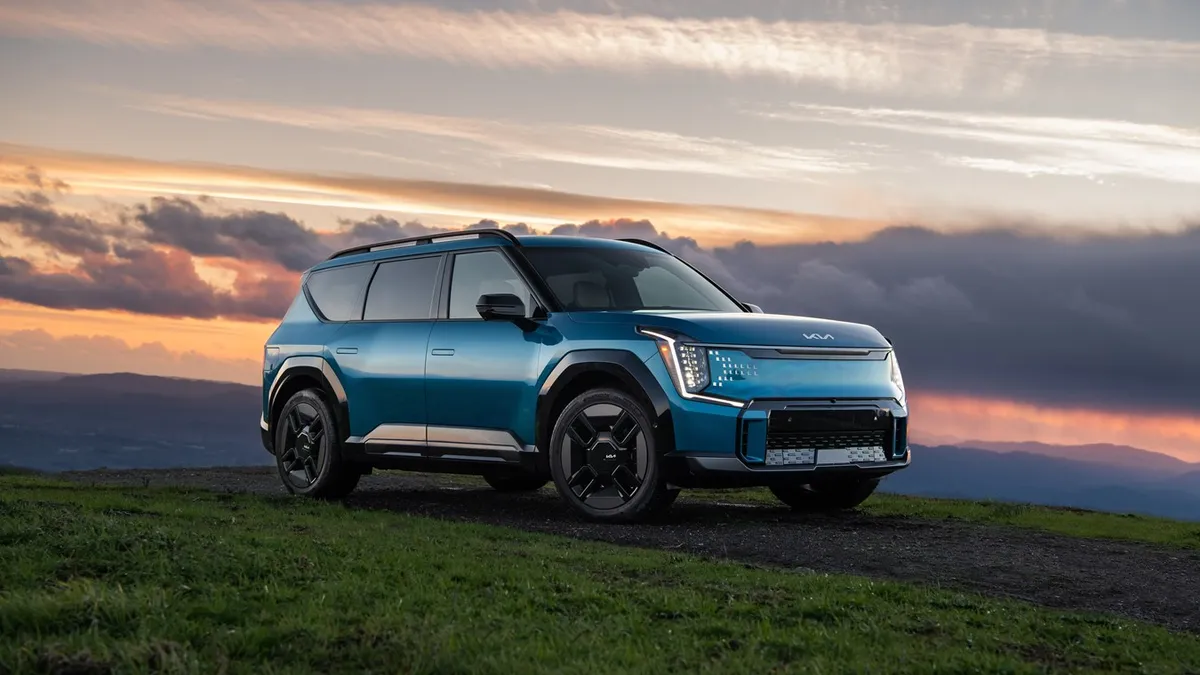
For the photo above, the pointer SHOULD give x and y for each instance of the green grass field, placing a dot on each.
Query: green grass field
(1066, 521)
(96, 580)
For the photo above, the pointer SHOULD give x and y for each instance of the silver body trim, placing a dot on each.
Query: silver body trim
(444, 437)
(394, 434)
(858, 455)
(301, 361)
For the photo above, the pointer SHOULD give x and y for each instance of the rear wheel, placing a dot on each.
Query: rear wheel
(826, 495)
(515, 482)
(309, 456)
(604, 460)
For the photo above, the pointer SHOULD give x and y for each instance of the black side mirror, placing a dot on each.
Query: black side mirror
(500, 307)
(755, 309)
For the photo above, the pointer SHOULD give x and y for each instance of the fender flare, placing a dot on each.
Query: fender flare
(319, 369)
(622, 364)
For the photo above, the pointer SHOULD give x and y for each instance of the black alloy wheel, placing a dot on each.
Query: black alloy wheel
(304, 431)
(309, 449)
(604, 459)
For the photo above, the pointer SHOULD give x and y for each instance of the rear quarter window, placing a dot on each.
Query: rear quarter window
(337, 292)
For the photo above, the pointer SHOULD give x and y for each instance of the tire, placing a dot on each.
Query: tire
(515, 482)
(310, 449)
(831, 495)
(604, 460)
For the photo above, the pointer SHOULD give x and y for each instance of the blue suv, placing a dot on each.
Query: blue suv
(610, 367)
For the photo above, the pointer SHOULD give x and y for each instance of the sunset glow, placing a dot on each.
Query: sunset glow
(1010, 191)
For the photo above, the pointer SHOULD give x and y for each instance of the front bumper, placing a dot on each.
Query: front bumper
(267, 438)
(788, 441)
(724, 471)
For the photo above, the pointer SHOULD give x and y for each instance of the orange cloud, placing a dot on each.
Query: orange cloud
(946, 418)
(222, 340)
(712, 225)
(39, 350)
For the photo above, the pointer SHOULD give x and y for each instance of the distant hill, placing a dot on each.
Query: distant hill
(1097, 453)
(17, 375)
(971, 473)
(123, 420)
(56, 422)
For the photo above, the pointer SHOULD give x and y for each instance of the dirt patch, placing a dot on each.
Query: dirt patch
(1140, 581)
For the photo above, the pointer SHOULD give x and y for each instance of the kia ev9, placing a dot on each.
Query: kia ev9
(611, 368)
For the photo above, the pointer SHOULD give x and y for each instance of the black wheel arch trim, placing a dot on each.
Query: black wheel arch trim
(317, 368)
(622, 364)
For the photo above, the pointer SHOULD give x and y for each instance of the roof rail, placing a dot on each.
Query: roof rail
(643, 242)
(428, 239)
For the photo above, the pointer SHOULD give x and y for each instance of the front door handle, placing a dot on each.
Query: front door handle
(347, 350)
(442, 352)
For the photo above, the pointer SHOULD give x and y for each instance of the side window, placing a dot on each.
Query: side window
(403, 289)
(337, 291)
(483, 272)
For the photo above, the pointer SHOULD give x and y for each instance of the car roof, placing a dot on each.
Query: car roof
(436, 246)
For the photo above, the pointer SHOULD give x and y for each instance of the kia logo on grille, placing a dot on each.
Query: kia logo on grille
(817, 336)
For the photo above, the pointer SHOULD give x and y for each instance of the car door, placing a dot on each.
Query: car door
(481, 376)
(383, 355)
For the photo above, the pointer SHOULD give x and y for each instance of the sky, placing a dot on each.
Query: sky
(1010, 189)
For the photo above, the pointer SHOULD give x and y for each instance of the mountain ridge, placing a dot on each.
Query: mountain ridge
(127, 420)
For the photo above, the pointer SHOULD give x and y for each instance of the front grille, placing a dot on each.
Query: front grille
(819, 441)
(828, 437)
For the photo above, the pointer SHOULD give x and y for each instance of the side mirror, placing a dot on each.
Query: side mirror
(500, 307)
(755, 309)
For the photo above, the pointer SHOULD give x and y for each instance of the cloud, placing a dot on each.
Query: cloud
(146, 281)
(39, 350)
(957, 418)
(244, 234)
(1096, 321)
(105, 175)
(942, 59)
(590, 145)
(35, 218)
(1011, 312)
(1092, 148)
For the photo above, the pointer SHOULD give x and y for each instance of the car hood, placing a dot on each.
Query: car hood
(740, 328)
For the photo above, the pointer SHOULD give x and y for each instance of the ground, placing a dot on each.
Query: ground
(136, 577)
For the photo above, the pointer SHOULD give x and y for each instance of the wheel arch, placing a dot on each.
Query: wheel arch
(298, 373)
(587, 369)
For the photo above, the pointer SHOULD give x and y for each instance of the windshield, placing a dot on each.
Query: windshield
(598, 279)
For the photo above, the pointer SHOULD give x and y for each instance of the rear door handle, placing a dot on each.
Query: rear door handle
(442, 352)
(347, 350)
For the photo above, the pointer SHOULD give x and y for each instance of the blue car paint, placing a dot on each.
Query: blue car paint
(488, 374)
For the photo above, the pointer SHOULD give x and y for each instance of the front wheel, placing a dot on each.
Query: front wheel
(604, 460)
(309, 449)
(828, 495)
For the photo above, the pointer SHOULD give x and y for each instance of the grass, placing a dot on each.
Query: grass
(1058, 520)
(98, 580)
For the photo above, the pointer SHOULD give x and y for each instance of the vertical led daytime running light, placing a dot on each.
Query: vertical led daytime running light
(688, 367)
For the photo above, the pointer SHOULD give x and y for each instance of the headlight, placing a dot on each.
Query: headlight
(687, 365)
(897, 378)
